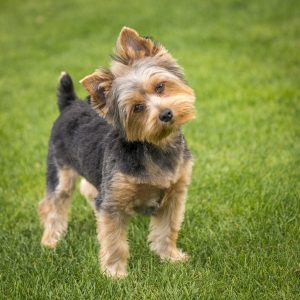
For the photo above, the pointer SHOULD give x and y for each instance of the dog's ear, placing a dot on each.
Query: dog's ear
(98, 85)
(130, 46)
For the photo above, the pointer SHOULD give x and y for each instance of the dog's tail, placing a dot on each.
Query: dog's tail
(65, 91)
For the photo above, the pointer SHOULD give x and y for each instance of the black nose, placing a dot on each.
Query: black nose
(166, 115)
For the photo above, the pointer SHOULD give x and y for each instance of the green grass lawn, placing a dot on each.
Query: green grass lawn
(242, 224)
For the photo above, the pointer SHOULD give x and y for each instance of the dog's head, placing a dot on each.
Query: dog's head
(144, 93)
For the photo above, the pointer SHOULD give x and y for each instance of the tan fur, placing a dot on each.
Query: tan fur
(145, 125)
(98, 85)
(130, 46)
(53, 209)
(164, 226)
(126, 193)
(141, 61)
(173, 86)
(112, 236)
(127, 187)
(87, 190)
(161, 178)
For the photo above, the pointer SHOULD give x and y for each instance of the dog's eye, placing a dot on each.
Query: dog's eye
(138, 108)
(159, 89)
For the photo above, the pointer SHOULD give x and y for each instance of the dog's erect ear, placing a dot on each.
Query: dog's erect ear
(98, 85)
(130, 46)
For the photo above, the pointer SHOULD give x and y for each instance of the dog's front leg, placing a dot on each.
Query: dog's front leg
(164, 228)
(166, 223)
(112, 236)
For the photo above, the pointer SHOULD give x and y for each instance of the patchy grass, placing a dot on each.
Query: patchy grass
(243, 214)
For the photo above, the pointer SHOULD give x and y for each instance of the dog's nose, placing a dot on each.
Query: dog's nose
(166, 115)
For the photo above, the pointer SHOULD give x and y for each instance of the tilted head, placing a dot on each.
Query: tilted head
(144, 93)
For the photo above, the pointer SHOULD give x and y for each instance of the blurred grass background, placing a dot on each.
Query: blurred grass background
(242, 225)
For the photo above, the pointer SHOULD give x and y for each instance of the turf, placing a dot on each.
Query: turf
(242, 224)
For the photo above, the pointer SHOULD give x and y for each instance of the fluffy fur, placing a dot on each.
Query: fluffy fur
(126, 142)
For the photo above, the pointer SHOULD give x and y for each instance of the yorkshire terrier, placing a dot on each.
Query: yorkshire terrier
(125, 141)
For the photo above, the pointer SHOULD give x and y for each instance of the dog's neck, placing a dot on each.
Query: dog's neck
(174, 141)
(151, 164)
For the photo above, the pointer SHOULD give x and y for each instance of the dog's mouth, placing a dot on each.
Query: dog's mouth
(166, 131)
(162, 133)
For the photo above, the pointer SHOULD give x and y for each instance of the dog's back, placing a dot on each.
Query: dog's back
(78, 129)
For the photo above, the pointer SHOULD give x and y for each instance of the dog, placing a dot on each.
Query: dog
(125, 140)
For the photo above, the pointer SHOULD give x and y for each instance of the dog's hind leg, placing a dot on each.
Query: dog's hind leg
(53, 209)
(88, 191)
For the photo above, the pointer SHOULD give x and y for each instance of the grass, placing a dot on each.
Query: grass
(242, 221)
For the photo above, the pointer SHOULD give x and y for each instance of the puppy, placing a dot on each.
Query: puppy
(125, 141)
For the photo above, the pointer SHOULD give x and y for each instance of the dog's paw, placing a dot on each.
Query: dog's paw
(52, 235)
(116, 271)
(49, 242)
(175, 255)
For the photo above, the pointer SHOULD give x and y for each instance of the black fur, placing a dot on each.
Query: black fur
(84, 141)
(65, 92)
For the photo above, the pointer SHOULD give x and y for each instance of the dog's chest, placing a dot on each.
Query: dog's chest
(147, 199)
(145, 175)
(136, 195)
(143, 193)
(150, 164)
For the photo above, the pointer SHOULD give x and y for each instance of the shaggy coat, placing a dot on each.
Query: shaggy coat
(125, 141)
